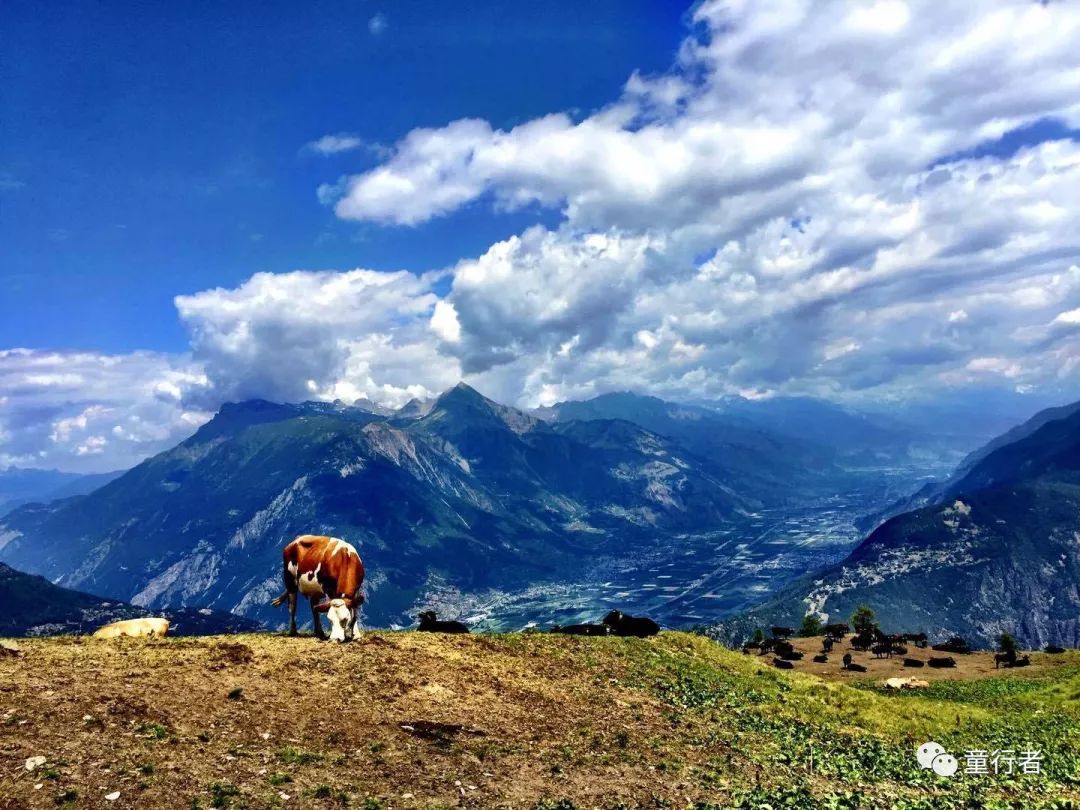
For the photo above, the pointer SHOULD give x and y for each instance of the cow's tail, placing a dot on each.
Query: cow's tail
(280, 600)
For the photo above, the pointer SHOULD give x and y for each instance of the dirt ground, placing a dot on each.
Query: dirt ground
(393, 720)
(408, 720)
(973, 665)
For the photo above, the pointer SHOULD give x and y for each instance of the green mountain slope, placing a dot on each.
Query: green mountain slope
(33, 606)
(463, 496)
(998, 550)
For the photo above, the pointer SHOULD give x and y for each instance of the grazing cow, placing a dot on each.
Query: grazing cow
(821, 659)
(880, 650)
(583, 630)
(1006, 658)
(323, 568)
(827, 644)
(781, 663)
(429, 623)
(837, 631)
(622, 624)
(918, 639)
(856, 668)
(847, 660)
(1054, 649)
(781, 632)
(912, 662)
(863, 641)
(134, 628)
(942, 663)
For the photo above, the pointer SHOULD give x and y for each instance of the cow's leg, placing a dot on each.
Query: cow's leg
(292, 613)
(316, 620)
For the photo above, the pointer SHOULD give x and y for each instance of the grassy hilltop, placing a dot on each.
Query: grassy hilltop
(524, 720)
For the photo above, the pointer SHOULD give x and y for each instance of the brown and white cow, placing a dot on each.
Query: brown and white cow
(323, 568)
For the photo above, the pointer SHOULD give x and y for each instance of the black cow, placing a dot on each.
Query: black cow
(781, 632)
(913, 662)
(780, 663)
(942, 663)
(847, 660)
(918, 639)
(821, 659)
(1054, 649)
(1006, 658)
(827, 644)
(429, 623)
(622, 624)
(1023, 661)
(863, 641)
(856, 668)
(837, 631)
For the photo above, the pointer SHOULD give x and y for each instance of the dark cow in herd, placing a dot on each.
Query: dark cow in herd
(328, 571)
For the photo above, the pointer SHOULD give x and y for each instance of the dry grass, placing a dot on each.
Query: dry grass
(406, 720)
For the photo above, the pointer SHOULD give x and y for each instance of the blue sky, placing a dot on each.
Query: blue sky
(155, 149)
(875, 203)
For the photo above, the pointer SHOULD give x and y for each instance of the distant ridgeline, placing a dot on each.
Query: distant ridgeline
(995, 549)
(461, 493)
(33, 606)
(462, 497)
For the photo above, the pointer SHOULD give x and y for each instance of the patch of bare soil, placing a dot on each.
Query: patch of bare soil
(393, 720)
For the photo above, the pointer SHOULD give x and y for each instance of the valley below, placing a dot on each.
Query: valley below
(697, 579)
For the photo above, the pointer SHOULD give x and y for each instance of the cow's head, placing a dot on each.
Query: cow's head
(614, 618)
(342, 616)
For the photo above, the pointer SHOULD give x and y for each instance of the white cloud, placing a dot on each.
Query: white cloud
(93, 412)
(378, 24)
(851, 252)
(307, 335)
(344, 142)
(809, 201)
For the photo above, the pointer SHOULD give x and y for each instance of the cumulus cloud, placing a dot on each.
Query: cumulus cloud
(317, 335)
(93, 412)
(808, 201)
(818, 198)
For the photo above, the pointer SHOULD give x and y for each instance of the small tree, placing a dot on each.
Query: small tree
(759, 636)
(863, 620)
(811, 625)
(1007, 644)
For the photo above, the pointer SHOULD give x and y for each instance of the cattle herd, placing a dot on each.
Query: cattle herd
(882, 645)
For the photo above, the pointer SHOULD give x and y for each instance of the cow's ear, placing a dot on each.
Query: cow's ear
(322, 607)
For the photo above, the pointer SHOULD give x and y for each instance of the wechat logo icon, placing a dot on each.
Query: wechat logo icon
(932, 756)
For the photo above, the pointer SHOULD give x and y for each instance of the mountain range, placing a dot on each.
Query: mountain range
(458, 496)
(994, 549)
(19, 486)
(33, 606)
(460, 502)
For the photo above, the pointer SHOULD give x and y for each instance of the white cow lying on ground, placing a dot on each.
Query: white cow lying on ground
(136, 628)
